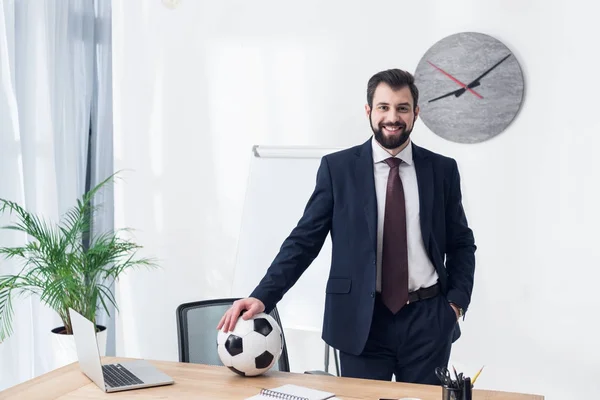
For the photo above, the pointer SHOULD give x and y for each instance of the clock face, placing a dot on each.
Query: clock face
(470, 87)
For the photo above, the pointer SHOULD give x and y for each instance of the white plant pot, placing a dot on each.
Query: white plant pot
(63, 346)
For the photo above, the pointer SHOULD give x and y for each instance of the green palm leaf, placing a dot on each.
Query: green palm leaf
(59, 268)
(7, 285)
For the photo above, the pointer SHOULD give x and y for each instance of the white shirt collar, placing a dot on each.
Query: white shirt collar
(379, 154)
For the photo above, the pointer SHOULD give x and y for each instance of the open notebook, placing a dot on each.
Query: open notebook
(292, 392)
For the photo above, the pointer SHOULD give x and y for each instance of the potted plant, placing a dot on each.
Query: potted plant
(67, 266)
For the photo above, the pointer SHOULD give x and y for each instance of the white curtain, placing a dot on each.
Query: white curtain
(51, 69)
(101, 162)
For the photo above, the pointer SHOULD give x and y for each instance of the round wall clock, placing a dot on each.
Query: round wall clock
(470, 87)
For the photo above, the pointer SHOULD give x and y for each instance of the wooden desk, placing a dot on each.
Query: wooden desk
(194, 381)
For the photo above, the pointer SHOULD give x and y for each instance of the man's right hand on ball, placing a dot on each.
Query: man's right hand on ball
(252, 307)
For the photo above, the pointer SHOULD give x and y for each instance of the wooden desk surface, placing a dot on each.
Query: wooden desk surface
(194, 381)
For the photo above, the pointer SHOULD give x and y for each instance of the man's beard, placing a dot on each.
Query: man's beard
(391, 142)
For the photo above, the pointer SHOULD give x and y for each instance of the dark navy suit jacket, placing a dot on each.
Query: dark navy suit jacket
(344, 204)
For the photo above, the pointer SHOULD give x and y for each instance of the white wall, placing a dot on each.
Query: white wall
(197, 86)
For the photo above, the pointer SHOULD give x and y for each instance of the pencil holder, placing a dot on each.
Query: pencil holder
(449, 393)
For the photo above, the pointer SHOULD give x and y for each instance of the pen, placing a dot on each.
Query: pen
(477, 375)
(455, 374)
(467, 389)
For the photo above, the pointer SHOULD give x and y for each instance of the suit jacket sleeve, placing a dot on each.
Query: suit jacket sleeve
(460, 246)
(303, 244)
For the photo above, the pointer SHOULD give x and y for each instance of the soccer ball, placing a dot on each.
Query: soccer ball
(253, 346)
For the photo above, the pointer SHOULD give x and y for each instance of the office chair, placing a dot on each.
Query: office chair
(336, 358)
(197, 332)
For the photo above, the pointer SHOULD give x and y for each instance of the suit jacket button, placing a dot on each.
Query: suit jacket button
(372, 294)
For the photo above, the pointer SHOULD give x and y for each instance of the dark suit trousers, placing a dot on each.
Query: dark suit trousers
(409, 345)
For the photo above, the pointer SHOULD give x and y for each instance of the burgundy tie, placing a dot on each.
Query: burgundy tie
(394, 263)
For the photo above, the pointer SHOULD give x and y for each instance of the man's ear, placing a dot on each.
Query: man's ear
(367, 110)
(417, 110)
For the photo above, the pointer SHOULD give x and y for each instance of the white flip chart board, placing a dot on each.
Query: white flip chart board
(280, 183)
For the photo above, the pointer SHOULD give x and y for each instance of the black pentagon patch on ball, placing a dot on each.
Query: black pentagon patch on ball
(234, 345)
(264, 360)
(237, 371)
(262, 326)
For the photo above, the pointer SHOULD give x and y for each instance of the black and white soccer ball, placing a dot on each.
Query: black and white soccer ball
(253, 346)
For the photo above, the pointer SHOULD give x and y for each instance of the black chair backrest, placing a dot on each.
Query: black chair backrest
(197, 332)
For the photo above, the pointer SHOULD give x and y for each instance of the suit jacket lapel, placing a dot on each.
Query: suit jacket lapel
(424, 171)
(366, 185)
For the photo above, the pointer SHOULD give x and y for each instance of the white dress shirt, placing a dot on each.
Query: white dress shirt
(421, 272)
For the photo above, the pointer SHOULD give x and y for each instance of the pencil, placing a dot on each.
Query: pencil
(477, 375)
(456, 375)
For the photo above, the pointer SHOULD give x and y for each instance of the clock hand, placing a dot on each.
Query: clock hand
(456, 93)
(445, 95)
(476, 82)
(455, 80)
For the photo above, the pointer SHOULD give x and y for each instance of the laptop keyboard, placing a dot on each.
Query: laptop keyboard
(116, 375)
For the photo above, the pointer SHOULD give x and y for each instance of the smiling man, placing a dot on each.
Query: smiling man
(393, 117)
(403, 255)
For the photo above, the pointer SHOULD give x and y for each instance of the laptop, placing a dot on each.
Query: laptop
(111, 377)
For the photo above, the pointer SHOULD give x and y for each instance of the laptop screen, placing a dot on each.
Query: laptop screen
(86, 343)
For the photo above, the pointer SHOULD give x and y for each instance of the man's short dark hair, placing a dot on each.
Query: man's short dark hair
(396, 79)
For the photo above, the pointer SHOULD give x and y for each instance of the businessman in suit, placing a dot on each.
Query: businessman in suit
(403, 255)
